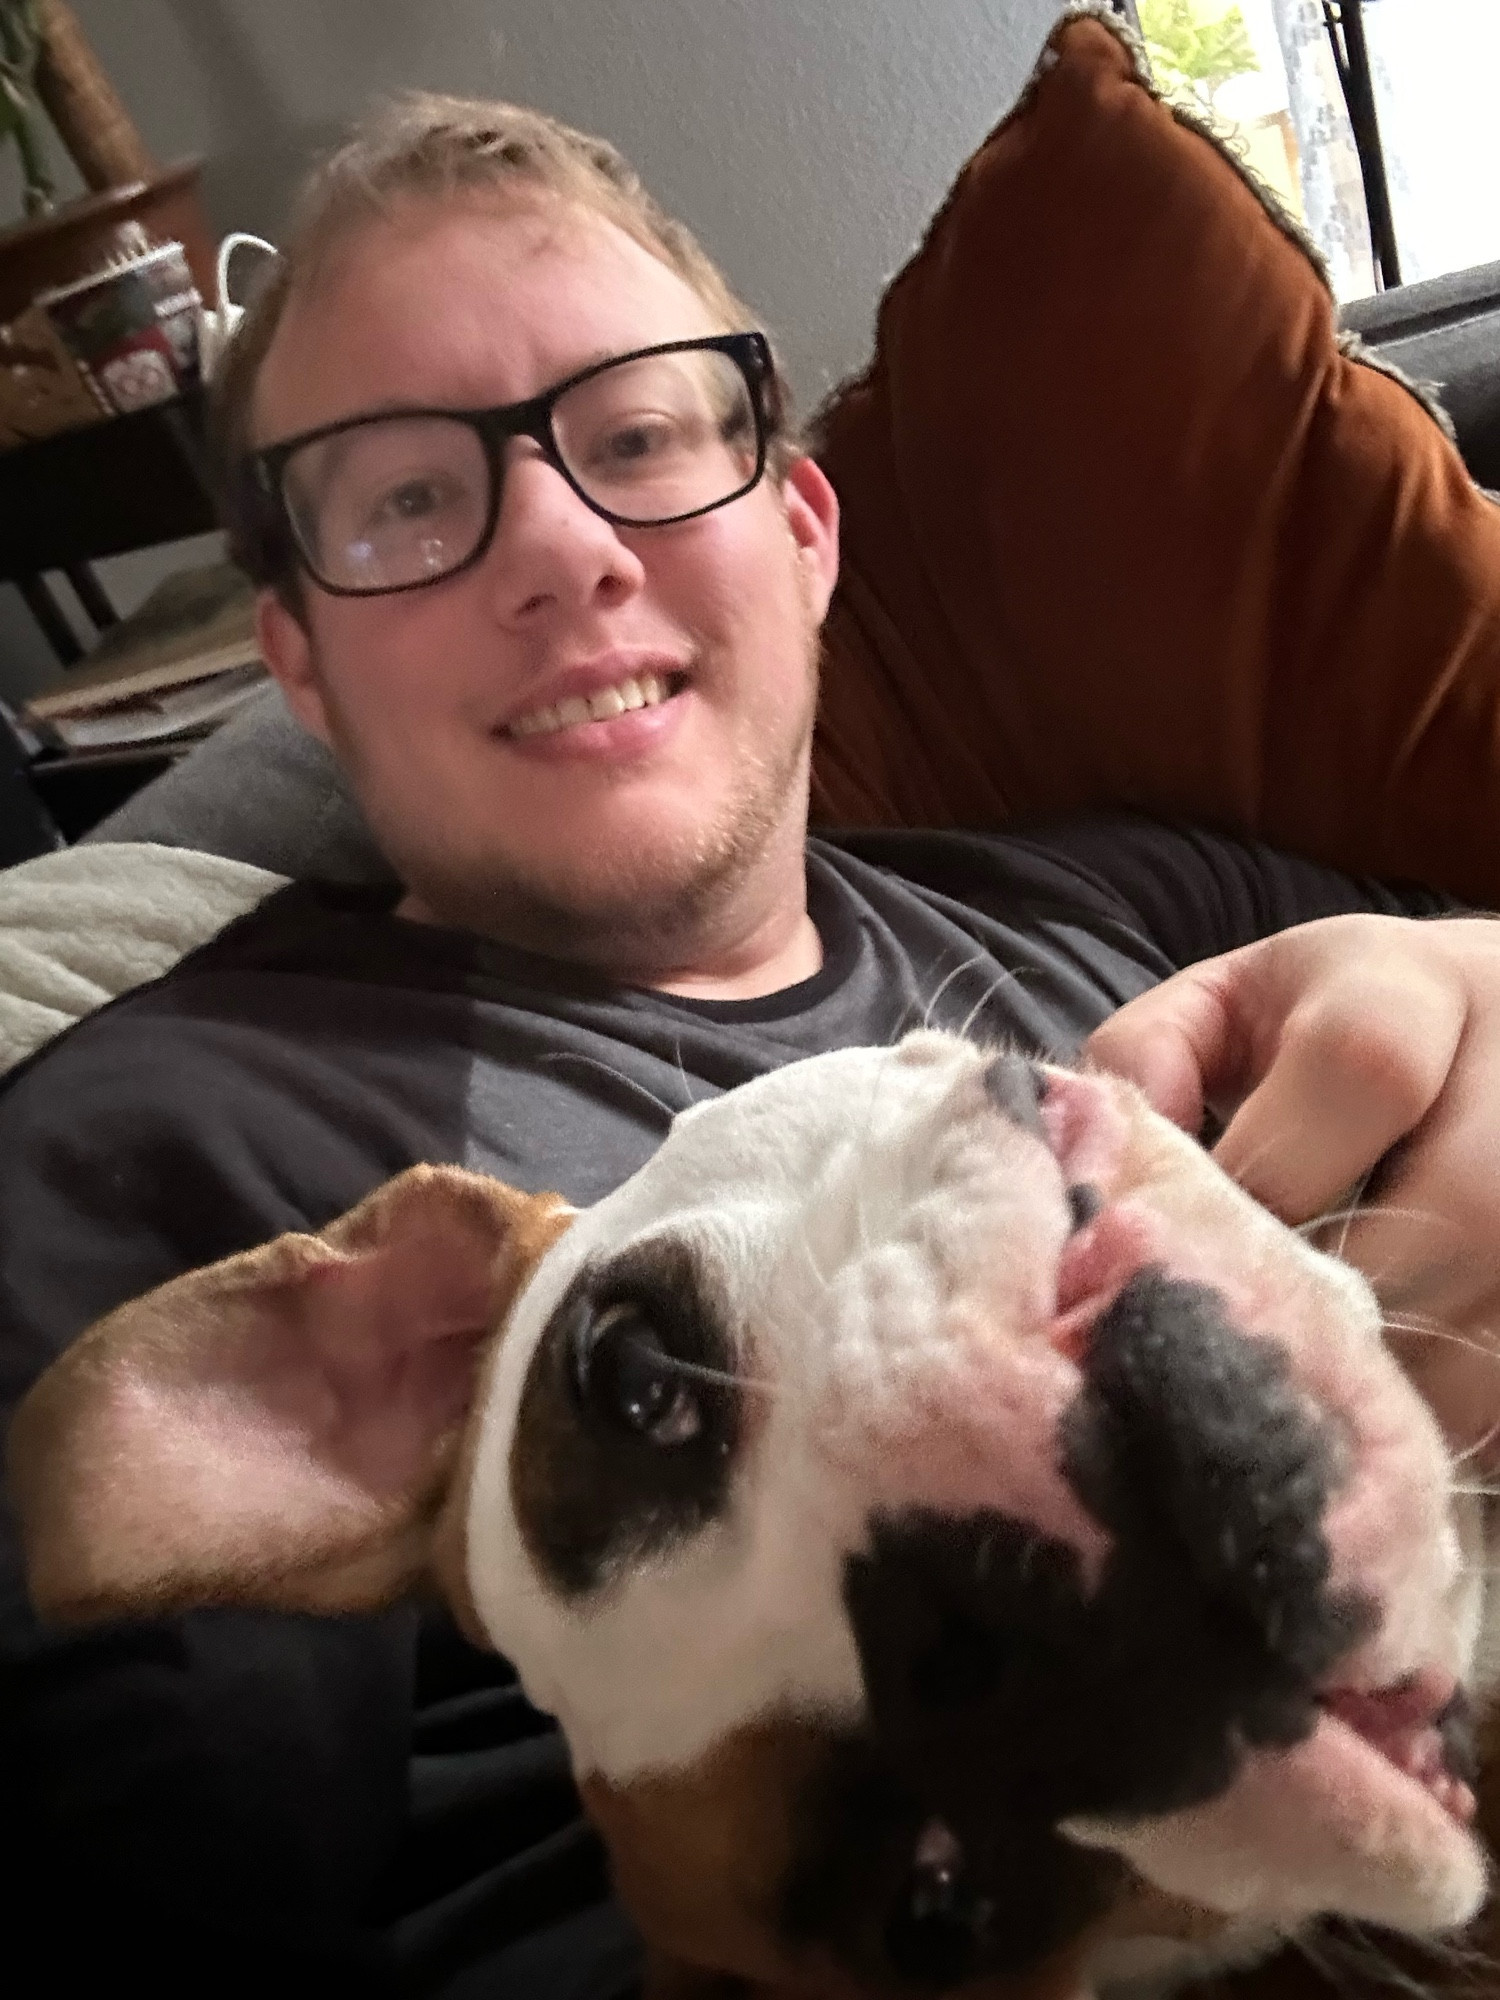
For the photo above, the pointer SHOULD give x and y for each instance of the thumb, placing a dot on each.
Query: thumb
(1178, 1044)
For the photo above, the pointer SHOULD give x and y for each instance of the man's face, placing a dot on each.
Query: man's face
(602, 838)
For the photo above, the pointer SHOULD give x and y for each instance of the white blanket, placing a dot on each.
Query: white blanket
(79, 927)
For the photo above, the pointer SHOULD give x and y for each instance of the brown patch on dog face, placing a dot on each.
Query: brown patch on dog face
(703, 1860)
(699, 1856)
(535, 1224)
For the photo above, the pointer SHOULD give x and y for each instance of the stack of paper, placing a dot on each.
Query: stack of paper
(166, 675)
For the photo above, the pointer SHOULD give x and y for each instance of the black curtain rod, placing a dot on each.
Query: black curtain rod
(1345, 22)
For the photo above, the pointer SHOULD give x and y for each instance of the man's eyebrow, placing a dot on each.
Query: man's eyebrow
(595, 357)
(396, 406)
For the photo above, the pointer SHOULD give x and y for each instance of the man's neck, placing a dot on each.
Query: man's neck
(758, 941)
(778, 956)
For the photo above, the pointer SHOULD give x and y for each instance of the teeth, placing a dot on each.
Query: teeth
(646, 692)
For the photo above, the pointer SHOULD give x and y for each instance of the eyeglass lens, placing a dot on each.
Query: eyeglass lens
(401, 500)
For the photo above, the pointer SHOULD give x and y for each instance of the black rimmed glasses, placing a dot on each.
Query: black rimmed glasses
(403, 498)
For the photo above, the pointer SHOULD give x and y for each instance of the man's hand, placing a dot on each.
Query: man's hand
(1357, 1060)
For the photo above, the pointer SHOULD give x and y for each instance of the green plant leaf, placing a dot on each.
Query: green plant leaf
(1195, 47)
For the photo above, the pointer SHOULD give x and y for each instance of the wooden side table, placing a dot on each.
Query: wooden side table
(121, 484)
(124, 483)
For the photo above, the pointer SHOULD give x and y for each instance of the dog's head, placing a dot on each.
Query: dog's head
(969, 1546)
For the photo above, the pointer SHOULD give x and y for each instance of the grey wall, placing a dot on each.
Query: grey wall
(805, 141)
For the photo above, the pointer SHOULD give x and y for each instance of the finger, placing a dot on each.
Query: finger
(1425, 1236)
(1178, 1044)
(1426, 1244)
(1350, 1074)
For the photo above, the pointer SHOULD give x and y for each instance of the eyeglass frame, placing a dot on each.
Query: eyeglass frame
(497, 423)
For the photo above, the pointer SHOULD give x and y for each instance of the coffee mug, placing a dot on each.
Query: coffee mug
(132, 329)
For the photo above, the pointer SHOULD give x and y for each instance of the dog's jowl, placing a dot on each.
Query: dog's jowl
(969, 1546)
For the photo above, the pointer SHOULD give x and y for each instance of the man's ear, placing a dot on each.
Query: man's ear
(278, 1430)
(286, 647)
(812, 512)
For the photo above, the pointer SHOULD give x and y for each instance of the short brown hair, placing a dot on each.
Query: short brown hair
(421, 146)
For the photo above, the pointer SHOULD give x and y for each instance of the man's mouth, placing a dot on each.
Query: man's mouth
(633, 691)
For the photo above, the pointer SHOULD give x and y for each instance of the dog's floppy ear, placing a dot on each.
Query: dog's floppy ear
(278, 1429)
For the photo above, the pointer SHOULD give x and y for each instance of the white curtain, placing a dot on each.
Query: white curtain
(1328, 164)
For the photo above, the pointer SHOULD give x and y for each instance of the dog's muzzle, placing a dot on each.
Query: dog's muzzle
(1007, 1696)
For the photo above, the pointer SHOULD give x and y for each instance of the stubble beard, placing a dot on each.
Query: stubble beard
(629, 915)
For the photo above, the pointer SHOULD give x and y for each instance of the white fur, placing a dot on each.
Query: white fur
(891, 1245)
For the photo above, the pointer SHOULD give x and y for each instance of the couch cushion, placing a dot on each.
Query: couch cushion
(1446, 330)
(262, 791)
(1125, 524)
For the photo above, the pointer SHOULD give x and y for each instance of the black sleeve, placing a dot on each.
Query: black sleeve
(210, 1802)
(1196, 893)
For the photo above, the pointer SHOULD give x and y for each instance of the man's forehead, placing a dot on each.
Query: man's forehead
(468, 301)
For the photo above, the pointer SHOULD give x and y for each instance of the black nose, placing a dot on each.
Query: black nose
(999, 1683)
(1016, 1088)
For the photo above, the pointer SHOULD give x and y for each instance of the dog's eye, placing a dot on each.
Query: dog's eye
(934, 1934)
(623, 1371)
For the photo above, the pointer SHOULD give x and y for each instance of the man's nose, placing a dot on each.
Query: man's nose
(550, 550)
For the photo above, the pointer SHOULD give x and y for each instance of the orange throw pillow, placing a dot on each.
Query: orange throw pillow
(1125, 525)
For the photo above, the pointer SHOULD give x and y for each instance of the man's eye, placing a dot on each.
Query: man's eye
(421, 499)
(414, 500)
(642, 441)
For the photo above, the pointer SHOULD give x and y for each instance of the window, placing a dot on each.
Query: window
(1435, 65)
(1423, 77)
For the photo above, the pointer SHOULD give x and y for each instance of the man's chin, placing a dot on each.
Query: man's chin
(634, 891)
(616, 914)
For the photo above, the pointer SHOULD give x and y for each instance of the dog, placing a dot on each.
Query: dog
(970, 1547)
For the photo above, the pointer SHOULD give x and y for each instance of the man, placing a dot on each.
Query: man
(543, 565)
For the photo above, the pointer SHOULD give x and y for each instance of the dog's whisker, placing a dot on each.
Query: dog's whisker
(861, 1221)
(700, 1371)
(964, 965)
(804, 1244)
(1430, 1330)
(628, 1083)
(1374, 1211)
(1301, 1943)
(1356, 1203)
(1479, 1446)
(687, 1088)
(1361, 1952)
(1416, 1323)
(1263, 1152)
(1356, 1210)
(912, 1017)
(1451, 1954)
(1006, 978)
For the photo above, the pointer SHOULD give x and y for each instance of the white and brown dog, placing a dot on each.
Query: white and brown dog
(969, 1546)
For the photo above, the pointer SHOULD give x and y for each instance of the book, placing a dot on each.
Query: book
(197, 624)
(161, 715)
